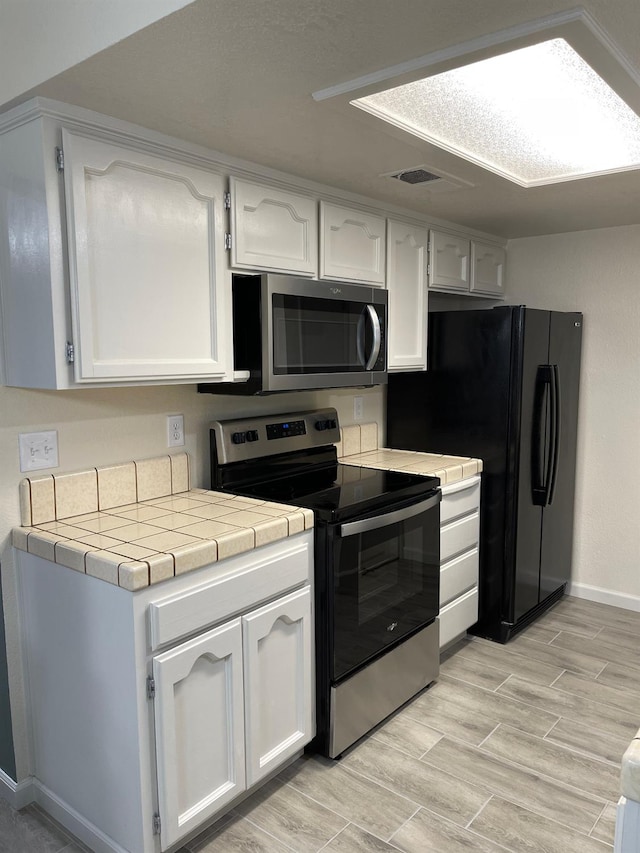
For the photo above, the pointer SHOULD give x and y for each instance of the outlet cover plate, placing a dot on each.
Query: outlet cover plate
(38, 450)
(175, 430)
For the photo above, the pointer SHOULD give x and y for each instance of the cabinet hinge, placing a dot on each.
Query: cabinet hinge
(59, 160)
(151, 687)
(157, 824)
(227, 201)
(227, 241)
(70, 352)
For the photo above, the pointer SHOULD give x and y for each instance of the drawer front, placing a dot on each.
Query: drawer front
(459, 536)
(457, 616)
(458, 575)
(244, 582)
(460, 499)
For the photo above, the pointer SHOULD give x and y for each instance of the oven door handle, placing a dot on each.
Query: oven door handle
(367, 524)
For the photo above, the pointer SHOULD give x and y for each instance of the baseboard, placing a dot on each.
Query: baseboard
(17, 794)
(74, 822)
(604, 596)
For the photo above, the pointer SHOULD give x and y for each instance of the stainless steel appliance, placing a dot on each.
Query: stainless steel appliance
(377, 555)
(292, 334)
(503, 385)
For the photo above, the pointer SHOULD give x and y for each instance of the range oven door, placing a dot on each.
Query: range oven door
(385, 582)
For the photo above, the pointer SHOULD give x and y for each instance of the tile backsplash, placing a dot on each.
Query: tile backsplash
(57, 496)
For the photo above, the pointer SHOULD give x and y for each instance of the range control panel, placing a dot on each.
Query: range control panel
(250, 438)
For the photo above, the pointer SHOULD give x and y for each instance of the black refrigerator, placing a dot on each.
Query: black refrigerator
(502, 385)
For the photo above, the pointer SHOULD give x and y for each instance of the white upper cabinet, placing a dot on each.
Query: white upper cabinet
(407, 286)
(487, 269)
(117, 273)
(352, 245)
(449, 258)
(145, 255)
(273, 229)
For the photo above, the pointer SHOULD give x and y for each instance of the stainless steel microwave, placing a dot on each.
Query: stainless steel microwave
(291, 334)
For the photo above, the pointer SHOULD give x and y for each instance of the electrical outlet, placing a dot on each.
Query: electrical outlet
(358, 408)
(175, 430)
(38, 450)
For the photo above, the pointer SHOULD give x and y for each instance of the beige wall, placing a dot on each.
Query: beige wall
(117, 425)
(598, 273)
(56, 35)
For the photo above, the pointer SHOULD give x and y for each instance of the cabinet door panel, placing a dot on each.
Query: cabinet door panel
(278, 679)
(487, 264)
(407, 286)
(352, 246)
(199, 720)
(273, 229)
(145, 261)
(449, 262)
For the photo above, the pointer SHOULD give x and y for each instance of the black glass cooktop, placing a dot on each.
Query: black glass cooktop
(338, 492)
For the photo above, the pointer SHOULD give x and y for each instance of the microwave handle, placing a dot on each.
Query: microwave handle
(377, 337)
(366, 524)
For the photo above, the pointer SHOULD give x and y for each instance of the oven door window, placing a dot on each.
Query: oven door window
(386, 584)
(312, 335)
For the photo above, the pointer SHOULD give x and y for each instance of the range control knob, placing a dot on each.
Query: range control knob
(252, 435)
(238, 437)
(321, 425)
(331, 423)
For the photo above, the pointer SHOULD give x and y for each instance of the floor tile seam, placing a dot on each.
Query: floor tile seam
(377, 739)
(584, 753)
(597, 800)
(382, 785)
(595, 657)
(493, 730)
(606, 704)
(562, 716)
(255, 824)
(482, 807)
(349, 820)
(600, 798)
(546, 818)
(600, 816)
(473, 683)
(389, 840)
(567, 630)
(570, 748)
(51, 823)
(467, 828)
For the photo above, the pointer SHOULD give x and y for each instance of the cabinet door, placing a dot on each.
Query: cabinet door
(146, 265)
(278, 682)
(273, 229)
(352, 245)
(199, 719)
(449, 262)
(487, 265)
(407, 286)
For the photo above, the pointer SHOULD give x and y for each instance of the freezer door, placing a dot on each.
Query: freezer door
(523, 543)
(565, 340)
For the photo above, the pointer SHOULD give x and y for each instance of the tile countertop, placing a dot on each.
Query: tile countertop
(139, 523)
(147, 542)
(449, 469)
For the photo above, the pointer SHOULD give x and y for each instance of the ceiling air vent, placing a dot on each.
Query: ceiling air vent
(415, 176)
(420, 176)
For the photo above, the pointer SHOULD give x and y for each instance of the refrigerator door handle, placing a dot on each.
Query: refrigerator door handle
(555, 432)
(540, 447)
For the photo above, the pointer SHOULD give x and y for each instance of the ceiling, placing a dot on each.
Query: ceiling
(238, 76)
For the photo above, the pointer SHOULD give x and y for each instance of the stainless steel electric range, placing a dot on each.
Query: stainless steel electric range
(377, 556)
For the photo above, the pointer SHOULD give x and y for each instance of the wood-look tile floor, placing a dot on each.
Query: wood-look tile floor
(515, 748)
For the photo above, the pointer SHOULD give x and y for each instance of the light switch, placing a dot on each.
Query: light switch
(38, 450)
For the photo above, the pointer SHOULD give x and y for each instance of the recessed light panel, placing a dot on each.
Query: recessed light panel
(536, 115)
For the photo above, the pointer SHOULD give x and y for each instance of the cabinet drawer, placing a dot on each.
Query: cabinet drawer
(460, 499)
(457, 616)
(458, 575)
(459, 536)
(244, 581)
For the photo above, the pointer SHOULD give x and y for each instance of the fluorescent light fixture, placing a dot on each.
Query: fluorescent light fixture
(536, 115)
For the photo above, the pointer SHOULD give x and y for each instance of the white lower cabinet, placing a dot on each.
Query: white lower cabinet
(459, 540)
(142, 735)
(216, 737)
